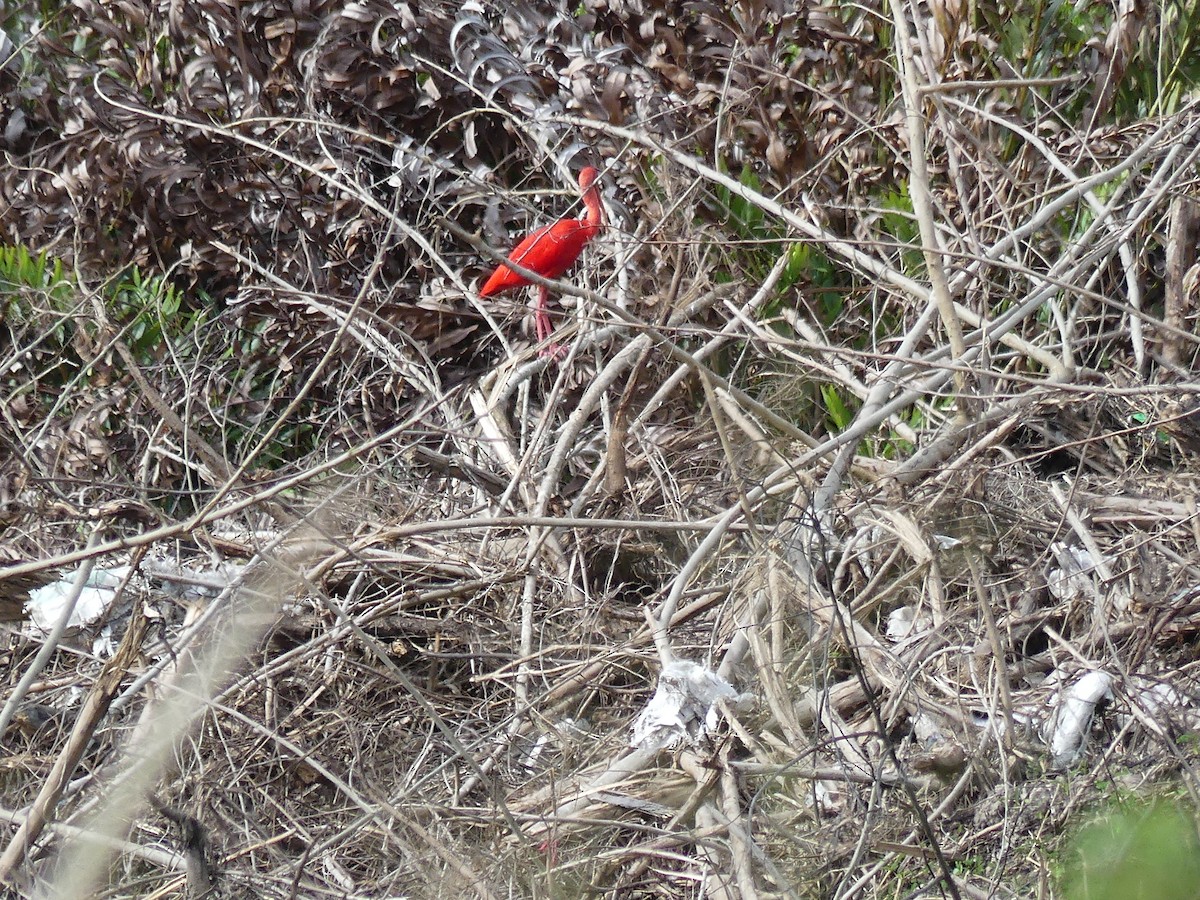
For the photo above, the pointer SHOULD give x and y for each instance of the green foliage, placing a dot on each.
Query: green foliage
(837, 412)
(1176, 70)
(899, 221)
(1042, 38)
(41, 305)
(754, 240)
(290, 443)
(1164, 67)
(19, 269)
(46, 313)
(759, 242)
(808, 264)
(1137, 853)
(35, 298)
(150, 309)
(1048, 38)
(21, 59)
(746, 220)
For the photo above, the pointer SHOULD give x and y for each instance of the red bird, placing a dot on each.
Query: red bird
(549, 252)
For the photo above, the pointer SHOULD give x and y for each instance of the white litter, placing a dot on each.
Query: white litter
(905, 622)
(1073, 576)
(1067, 729)
(46, 605)
(683, 708)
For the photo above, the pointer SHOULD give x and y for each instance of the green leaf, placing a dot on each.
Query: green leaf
(839, 415)
(1137, 854)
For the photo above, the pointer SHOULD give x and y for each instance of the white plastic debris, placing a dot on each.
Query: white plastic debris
(103, 643)
(191, 582)
(946, 542)
(827, 797)
(905, 622)
(1162, 708)
(46, 605)
(683, 708)
(1067, 729)
(1160, 699)
(566, 732)
(534, 753)
(1080, 573)
(1071, 578)
(926, 730)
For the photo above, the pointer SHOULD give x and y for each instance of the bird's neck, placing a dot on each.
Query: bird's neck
(595, 212)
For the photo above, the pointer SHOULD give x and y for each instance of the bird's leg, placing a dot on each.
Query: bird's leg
(543, 327)
(541, 320)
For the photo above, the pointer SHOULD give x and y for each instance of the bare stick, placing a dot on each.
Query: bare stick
(918, 189)
(93, 710)
(50, 642)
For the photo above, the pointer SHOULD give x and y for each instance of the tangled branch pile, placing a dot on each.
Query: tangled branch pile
(879, 408)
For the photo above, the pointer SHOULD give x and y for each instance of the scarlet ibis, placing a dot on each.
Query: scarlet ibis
(549, 252)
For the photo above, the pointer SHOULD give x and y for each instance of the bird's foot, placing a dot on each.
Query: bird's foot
(543, 328)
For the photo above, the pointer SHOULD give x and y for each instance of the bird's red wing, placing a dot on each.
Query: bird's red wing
(549, 251)
(553, 250)
(503, 277)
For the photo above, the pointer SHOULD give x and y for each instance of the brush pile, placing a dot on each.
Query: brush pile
(852, 550)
